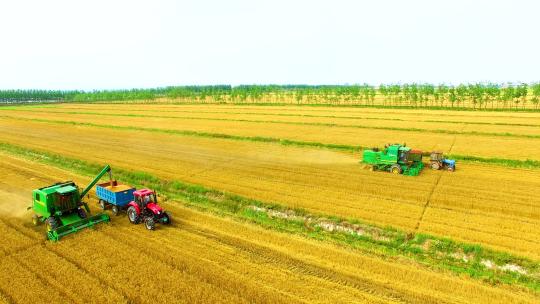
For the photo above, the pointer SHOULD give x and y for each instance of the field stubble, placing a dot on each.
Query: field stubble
(204, 258)
(490, 205)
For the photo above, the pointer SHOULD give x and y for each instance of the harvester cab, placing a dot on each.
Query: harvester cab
(396, 158)
(62, 209)
(145, 208)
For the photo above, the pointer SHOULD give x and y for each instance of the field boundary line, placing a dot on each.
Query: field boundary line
(426, 205)
(512, 163)
(82, 111)
(385, 240)
(314, 124)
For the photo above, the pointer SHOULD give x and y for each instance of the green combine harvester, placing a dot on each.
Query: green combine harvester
(394, 158)
(61, 207)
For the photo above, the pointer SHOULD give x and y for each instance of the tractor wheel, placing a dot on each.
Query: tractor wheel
(395, 169)
(102, 204)
(435, 166)
(35, 220)
(451, 169)
(114, 210)
(51, 223)
(132, 215)
(149, 223)
(166, 219)
(81, 213)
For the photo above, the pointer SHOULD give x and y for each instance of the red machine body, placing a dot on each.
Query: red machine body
(144, 208)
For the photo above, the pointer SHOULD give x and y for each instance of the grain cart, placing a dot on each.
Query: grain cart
(438, 161)
(114, 195)
(61, 207)
(144, 208)
(394, 158)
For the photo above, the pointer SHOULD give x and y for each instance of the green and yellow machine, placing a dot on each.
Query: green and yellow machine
(396, 158)
(61, 207)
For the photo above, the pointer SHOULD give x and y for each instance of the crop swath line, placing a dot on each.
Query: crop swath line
(198, 197)
(316, 124)
(91, 274)
(56, 252)
(83, 111)
(46, 282)
(5, 296)
(426, 205)
(299, 266)
(514, 163)
(151, 253)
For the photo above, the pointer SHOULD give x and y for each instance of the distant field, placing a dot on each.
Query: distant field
(298, 158)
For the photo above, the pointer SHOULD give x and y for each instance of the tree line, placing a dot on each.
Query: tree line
(477, 95)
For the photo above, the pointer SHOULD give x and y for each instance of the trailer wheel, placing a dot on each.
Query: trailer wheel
(435, 166)
(114, 210)
(102, 204)
(396, 169)
(51, 223)
(132, 215)
(149, 223)
(35, 220)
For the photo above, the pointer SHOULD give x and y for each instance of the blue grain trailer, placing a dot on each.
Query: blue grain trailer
(114, 195)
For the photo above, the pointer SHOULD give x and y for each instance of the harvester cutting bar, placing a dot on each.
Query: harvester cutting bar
(414, 169)
(73, 227)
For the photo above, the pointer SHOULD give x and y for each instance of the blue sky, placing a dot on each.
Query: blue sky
(125, 44)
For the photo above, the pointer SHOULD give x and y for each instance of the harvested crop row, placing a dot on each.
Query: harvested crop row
(489, 146)
(302, 110)
(416, 124)
(307, 178)
(205, 258)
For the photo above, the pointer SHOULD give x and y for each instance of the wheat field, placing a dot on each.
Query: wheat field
(206, 257)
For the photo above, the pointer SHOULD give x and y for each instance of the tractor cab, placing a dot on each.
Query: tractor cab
(145, 208)
(143, 197)
(438, 161)
(436, 156)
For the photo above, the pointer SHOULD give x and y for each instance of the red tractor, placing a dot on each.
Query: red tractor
(144, 208)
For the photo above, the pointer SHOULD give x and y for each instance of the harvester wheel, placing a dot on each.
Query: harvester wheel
(81, 213)
(102, 204)
(149, 223)
(395, 169)
(51, 223)
(35, 220)
(372, 168)
(114, 210)
(132, 215)
(435, 166)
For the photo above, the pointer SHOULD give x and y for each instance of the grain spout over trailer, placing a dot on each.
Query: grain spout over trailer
(61, 208)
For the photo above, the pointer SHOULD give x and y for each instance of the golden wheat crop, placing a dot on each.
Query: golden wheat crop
(204, 258)
(478, 203)
(501, 146)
